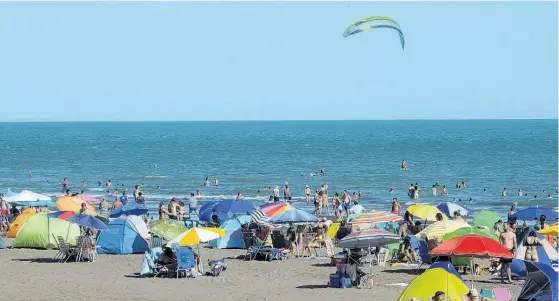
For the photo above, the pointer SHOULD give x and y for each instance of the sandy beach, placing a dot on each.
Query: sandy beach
(32, 275)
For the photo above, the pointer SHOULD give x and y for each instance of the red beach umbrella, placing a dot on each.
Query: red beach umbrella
(472, 245)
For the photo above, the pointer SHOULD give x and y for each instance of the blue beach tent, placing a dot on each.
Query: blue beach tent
(121, 237)
(233, 238)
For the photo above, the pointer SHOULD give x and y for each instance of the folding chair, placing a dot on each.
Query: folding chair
(185, 261)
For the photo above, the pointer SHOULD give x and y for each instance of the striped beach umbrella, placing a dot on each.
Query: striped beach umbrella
(441, 228)
(62, 214)
(274, 209)
(377, 216)
(259, 217)
(368, 238)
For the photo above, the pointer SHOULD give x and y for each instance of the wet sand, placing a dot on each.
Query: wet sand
(32, 275)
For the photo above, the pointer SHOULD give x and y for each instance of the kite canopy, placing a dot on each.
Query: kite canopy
(375, 22)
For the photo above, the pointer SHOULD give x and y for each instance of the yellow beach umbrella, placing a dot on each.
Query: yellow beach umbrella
(196, 236)
(552, 231)
(332, 230)
(425, 212)
(69, 203)
(431, 281)
(441, 228)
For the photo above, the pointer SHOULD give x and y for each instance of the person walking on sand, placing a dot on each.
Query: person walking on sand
(325, 202)
(508, 240)
(307, 194)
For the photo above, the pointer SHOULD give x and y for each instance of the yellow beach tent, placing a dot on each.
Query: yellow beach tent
(431, 281)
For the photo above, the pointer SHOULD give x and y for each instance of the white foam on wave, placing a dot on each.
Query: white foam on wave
(96, 189)
(156, 177)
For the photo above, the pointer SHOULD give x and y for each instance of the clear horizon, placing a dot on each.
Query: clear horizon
(277, 61)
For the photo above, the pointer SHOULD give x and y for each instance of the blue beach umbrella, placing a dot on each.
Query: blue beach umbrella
(87, 221)
(129, 209)
(206, 211)
(294, 216)
(234, 207)
(448, 208)
(531, 213)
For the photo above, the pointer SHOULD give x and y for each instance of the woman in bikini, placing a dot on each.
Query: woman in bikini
(531, 243)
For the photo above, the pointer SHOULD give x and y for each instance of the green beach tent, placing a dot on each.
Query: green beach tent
(39, 232)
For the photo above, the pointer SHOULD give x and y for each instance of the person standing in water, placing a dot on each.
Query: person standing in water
(444, 191)
(286, 191)
(434, 190)
(136, 191)
(307, 194)
(207, 182)
(404, 164)
(395, 206)
(216, 181)
(64, 184)
(276, 194)
(504, 193)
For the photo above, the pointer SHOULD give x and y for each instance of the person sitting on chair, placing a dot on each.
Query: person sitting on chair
(168, 259)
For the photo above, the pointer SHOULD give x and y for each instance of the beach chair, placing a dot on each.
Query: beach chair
(85, 247)
(185, 261)
(156, 269)
(502, 294)
(156, 241)
(65, 251)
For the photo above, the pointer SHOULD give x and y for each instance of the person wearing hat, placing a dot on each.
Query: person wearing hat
(473, 295)
(307, 194)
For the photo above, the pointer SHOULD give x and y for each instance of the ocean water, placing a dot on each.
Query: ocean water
(247, 156)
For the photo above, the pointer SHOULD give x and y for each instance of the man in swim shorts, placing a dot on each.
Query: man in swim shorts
(508, 240)
(192, 204)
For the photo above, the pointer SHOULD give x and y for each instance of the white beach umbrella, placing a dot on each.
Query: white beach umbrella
(27, 196)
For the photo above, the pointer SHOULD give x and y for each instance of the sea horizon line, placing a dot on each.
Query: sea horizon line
(272, 120)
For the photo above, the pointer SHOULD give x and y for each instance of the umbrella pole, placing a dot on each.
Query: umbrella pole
(472, 271)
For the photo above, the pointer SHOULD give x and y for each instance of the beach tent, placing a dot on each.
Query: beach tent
(120, 238)
(20, 220)
(40, 232)
(153, 254)
(540, 284)
(432, 280)
(139, 223)
(546, 253)
(233, 238)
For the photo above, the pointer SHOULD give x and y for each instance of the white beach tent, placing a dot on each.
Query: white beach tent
(27, 196)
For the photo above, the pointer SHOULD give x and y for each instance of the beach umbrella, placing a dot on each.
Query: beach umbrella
(234, 207)
(274, 209)
(431, 281)
(440, 228)
(472, 245)
(62, 214)
(448, 208)
(196, 236)
(425, 212)
(294, 216)
(69, 203)
(129, 209)
(485, 218)
(531, 213)
(27, 196)
(206, 211)
(552, 231)
(540, 284)
(377, 216)
(86, 197)
(87, 221)
(469, 230)
(259, 217)
(368, 238)
(447, 266)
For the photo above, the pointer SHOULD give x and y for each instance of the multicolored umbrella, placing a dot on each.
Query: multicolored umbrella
(377, 216)
(485, 218)
(86, 197)
(472, 245)
(470, 230)
(425, 212)
(440, 228)
(274, 209)
(448, 208)
(368, 238)
(62, 214)
(196, 236)
(294, 216)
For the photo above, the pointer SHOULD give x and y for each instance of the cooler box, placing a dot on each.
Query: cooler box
(335, 281)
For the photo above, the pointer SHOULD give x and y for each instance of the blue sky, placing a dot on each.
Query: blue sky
(260, 61)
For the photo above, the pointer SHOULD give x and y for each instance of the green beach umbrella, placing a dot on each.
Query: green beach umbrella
(469, 230)
(486, 218)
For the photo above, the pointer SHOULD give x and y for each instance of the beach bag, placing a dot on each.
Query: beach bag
(346, 282)
(335, 281)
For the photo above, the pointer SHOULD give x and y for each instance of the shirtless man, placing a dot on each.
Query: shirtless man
(307, 193)
(508, 240)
